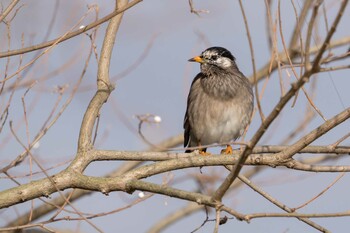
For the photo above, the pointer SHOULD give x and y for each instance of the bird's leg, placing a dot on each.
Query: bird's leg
(203, 151)
(227, 151)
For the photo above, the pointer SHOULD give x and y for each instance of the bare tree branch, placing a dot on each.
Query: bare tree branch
(278, 203)
(71, 34)
(8, 9)
(278, 108)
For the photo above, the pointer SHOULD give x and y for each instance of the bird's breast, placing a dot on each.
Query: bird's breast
(215, 120)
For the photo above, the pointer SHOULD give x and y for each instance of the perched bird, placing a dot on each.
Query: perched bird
(220, 102)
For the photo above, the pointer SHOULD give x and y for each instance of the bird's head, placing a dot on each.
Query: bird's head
(215, 56)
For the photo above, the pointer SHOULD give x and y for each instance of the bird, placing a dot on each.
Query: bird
(220, 102)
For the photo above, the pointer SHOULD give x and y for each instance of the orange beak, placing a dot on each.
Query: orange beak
(197, 59)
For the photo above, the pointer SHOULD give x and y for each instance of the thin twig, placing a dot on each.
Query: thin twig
(309, 33)
(253, 61)
(71, 34)
(278, 203)
(291, 65)
(314, 134)
(335, 144)
(8, 9)
(195, 11)
(321, 193)
(52, 182)
(45, 51)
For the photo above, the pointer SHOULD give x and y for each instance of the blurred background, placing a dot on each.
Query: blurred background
(152, 76)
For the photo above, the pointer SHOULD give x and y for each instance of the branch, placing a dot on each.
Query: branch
(309, 149)
(220, 192)
(72, 179)
(51, 205)
(195, 11)
(313, 135)
(199, 198)
(69, 35)
(193, 207)
(278, 203)
(189, 209)
(299, 25)
(253, 60)
(297, 215)
(325, 45)
(104, 88)
(107, 155)
(268, 67)
(309, 33)
(8, 9)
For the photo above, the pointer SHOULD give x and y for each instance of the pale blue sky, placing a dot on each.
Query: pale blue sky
(159, 85)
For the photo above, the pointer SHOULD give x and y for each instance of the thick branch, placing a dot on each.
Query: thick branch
(104, 87)
(54, 204)
(35, 189)
(71, 179)
(103, 155)
(199, 198)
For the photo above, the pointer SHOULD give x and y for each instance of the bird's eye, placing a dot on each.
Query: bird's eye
(214, 57)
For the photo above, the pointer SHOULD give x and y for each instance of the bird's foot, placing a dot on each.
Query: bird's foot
(204, 153)
(227, 151)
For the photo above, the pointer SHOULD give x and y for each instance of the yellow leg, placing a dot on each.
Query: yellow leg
(227, 151)
(203, 152)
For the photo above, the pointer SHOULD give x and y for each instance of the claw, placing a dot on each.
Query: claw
(204, 153)
(227, 151)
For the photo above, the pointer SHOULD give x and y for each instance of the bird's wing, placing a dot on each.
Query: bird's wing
(186, 124)
(187, 128)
